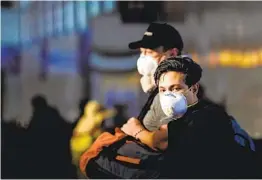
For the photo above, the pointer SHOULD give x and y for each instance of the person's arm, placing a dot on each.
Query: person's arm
(155, 140)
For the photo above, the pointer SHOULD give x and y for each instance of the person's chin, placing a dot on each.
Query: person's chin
(148, 88)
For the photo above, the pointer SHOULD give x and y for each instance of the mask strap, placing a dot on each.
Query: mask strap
(192, 104)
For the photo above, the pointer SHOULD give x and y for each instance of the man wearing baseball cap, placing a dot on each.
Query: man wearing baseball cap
(160, 41)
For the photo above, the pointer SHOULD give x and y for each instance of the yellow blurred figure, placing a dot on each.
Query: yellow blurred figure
(88, 128)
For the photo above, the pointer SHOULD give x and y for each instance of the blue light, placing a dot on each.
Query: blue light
(93, 8)
(49, 19)
(69, 16)
(58, 15)
(109, 6)
(81, 15)
(9, 27)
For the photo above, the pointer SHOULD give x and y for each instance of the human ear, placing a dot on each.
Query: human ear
(195, 88)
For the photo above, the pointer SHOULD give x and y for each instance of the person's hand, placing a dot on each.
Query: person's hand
(132, 127)
(164, 127)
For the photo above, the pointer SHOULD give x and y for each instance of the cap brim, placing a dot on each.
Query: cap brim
(135, 45)
(143, 44)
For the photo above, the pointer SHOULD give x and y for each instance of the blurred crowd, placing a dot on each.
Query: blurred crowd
(50, 146)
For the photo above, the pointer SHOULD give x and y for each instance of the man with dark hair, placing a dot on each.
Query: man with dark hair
(159, 42)
(186, 74)
(199, 138)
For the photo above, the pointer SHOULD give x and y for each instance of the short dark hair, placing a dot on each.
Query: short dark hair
(185, 65)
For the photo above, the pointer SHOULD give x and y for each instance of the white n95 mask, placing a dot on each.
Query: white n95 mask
(173, 104)
(146, 65)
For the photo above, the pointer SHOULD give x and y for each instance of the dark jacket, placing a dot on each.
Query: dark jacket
(201, 145)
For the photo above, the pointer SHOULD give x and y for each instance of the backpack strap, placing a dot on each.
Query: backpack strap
(239, 132)
(235, 133)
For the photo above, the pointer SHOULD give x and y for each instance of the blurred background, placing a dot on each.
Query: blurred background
(58, 55)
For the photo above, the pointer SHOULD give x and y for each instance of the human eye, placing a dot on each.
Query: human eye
(162, 90)
(176, 89)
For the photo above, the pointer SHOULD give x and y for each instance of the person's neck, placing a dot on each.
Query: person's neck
(194, 103)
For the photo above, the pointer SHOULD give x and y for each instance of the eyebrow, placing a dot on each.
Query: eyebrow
(173, 85)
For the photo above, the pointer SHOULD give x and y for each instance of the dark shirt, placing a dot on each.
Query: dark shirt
(201, 145)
